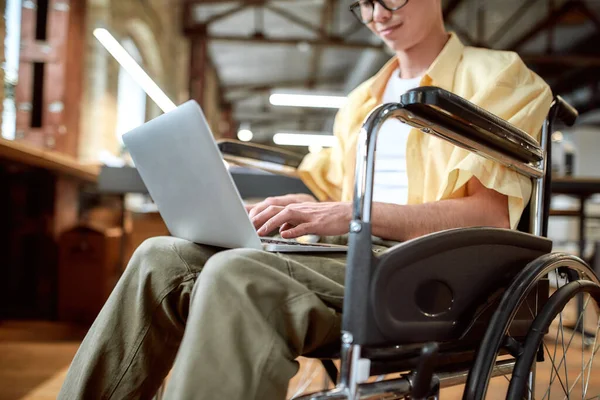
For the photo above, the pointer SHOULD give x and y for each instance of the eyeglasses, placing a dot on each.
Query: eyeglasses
(363, 9)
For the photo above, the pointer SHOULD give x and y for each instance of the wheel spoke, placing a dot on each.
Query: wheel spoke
(582, 351)
(581, 373)
(555, 348)
(529, 308)
(563, 358)
(592, 359)
(552, 378)
(529, 389)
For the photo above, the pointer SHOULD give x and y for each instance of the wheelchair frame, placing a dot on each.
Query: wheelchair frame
(516, 153)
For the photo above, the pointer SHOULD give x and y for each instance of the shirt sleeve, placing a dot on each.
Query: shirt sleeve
(323, 172)
(522, 101)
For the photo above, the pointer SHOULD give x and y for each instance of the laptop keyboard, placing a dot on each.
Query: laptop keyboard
(290, 242)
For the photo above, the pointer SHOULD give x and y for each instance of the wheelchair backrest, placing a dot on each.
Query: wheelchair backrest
(560, 111)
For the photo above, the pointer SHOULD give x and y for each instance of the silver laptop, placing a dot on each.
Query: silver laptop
(185, 175)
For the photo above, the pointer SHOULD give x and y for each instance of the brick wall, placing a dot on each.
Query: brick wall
(2, 57)
(154, 26)
(212, 97)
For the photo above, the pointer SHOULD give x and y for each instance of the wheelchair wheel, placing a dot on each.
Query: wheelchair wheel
(548, 340)
(568, 359)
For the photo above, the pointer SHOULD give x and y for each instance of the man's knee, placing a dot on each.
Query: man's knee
(159, 256)
(245, 275)
(231, 264)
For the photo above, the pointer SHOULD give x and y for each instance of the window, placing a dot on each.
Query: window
(131, 98)
(11, 67)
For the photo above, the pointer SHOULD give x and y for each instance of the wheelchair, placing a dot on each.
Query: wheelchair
(463, 306)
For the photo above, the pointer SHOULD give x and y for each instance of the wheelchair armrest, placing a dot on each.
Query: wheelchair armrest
(443, 114)
(258, 156)
(447, 110)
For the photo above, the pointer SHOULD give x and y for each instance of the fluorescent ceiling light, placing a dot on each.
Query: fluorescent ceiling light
(307, 100)
(304, 139)
(245, 135)
(137, 73)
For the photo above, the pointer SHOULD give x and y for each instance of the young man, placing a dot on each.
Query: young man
(233, 321)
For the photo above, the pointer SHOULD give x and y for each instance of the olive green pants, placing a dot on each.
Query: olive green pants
(230, 323)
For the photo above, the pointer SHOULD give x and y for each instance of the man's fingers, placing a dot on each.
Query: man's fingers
(264, 216)
(263, 205)
(258, 208)
(280, 218)
(297, 231)
(285, 227)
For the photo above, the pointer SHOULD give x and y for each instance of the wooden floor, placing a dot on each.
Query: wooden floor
(34, 357)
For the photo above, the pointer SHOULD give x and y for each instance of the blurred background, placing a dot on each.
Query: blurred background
(78, 74)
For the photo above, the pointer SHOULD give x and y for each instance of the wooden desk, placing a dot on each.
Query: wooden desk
(25, 154)
(581, 188)
(576, 186)
(39, 199)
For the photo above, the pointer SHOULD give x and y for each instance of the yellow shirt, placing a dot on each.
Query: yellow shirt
(497, 81)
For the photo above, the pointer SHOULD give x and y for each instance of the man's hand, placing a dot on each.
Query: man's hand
(254, 209)
(326, 219)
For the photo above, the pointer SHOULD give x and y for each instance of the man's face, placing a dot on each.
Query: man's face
(403, 28)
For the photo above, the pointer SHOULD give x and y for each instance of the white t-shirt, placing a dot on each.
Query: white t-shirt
(391, 180)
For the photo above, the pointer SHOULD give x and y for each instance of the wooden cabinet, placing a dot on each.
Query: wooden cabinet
(88, 270)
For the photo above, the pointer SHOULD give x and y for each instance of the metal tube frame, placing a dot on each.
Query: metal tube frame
(347, 387)
(399, 388)
(537, 196)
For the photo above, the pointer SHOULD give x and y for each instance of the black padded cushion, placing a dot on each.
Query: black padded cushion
(443, 108)
(254, 151)
(434, 287)
(565, 112)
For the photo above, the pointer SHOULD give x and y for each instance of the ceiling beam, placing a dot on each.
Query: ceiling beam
(250, 2)
(266, 86)
(327, 14)
(236, 9)
(575, 79)
(270, 114)
(590, 14)
(555, 72)
(590, 104)
(263, 40)
(511, 21)
(296, 20)
(552, 19)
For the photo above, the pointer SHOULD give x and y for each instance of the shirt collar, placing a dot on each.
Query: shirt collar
(440, 72)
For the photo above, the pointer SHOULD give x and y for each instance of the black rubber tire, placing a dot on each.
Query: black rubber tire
(574, 268)
(541, 324)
